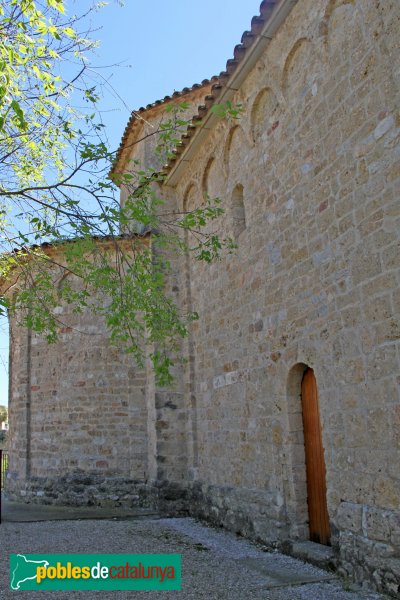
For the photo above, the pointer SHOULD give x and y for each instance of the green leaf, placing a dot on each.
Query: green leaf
(20, 114)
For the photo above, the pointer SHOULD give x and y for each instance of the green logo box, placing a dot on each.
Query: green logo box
(95, 571)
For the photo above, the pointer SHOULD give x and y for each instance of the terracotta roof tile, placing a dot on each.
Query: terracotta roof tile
(136, 115)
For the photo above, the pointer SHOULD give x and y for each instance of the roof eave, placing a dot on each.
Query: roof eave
(139, 115)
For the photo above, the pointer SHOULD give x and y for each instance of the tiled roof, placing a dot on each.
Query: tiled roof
(136, 115)
(51, 248)
(218, 82)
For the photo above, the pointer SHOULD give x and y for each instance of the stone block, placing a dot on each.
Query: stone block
(349, 517)
(377, 524)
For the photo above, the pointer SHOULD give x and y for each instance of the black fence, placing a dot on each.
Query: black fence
(3, 472)
(3, 467)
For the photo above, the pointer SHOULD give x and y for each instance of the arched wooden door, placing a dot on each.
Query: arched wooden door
(315, 461)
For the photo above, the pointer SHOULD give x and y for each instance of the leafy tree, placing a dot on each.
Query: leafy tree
(54, 162)
(3, 413)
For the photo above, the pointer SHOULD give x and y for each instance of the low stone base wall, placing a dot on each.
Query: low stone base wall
(369, 546)
(255, 514)
(93, 489)
(83, 489)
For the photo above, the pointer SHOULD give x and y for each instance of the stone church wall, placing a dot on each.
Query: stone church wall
(308, 178)
(79, 414)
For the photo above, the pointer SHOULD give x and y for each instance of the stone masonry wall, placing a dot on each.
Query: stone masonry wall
(78, 410)
(313, 283)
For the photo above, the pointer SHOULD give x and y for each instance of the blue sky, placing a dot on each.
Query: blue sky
(160, 47)
(169, 45)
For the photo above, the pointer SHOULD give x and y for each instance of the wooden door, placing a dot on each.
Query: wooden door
(315, 462)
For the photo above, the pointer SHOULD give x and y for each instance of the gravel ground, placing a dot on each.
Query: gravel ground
(215, 564)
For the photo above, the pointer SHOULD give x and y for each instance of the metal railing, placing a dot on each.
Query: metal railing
(3, 467)
(3, 472)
